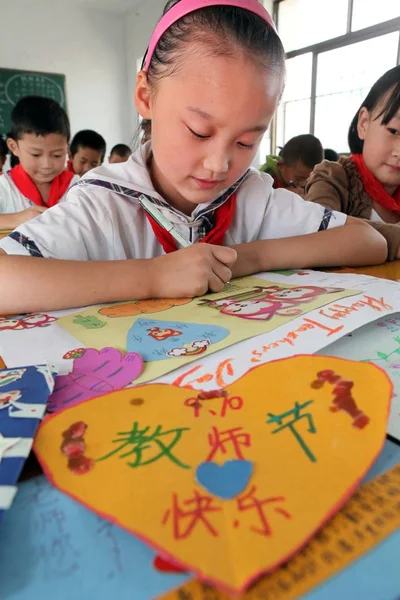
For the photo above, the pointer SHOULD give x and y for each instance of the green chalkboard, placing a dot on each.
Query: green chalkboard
(15, 84)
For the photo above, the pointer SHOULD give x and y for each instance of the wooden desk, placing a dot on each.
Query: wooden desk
(389, 270)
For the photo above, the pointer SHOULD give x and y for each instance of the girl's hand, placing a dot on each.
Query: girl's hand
(192, 271)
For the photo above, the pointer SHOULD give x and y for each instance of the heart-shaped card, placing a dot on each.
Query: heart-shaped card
(301, 433)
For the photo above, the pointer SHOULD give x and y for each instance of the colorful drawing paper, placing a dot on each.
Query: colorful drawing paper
(309, 427)
(182, 331)
(23, 396)
(378, 343)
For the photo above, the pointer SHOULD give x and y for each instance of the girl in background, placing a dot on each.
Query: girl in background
(367, 184)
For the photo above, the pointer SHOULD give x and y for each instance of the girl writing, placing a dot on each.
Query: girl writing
(367, 185)
(210, 83)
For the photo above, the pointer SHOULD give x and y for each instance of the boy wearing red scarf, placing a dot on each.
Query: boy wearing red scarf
(39, 138)
(367, 185)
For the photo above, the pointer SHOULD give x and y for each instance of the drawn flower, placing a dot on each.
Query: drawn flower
(73, 448)
(80, 465)
(76, 430)
(76, 353)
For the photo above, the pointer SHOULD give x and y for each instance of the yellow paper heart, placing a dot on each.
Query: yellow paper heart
(311, 426)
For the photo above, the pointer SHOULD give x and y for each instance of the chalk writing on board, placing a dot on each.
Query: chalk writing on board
(21, 85)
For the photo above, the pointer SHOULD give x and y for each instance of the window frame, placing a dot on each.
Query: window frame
(347, 39)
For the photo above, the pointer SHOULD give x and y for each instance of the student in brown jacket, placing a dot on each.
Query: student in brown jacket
(367, 184)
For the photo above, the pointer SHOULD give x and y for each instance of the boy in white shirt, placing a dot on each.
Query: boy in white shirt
(39, 138)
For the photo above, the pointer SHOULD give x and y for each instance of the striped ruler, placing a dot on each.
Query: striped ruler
(372, 514)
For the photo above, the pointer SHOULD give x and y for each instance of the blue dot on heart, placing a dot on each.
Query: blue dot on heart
(225, 481)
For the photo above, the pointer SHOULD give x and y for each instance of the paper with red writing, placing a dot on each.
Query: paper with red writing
(307, 334)
(309, 428)
(179, 334)
(304, 334)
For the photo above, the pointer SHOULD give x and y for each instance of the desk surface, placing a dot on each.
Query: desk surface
(389, 270)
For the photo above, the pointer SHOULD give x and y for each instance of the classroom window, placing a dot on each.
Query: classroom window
(298, 19)
(369, 12)
(332, 65)
(338, 98)
(294, 109)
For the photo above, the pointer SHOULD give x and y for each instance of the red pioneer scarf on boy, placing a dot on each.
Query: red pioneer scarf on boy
(374, 188)
(25, 185)
(222, 219)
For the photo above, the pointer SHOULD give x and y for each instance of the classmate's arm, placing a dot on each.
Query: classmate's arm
(354, 244)
(40, 284)
(391, 233)
(328, 186)
(12, 220)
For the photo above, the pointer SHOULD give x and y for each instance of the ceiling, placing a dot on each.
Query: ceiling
(119, 7)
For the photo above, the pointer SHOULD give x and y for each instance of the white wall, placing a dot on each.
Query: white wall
(87, 47)
(139, 25)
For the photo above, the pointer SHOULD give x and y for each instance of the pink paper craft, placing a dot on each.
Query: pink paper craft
(95, 373)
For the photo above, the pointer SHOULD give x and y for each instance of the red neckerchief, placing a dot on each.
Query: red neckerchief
(374, 187)
(223, 219)
(28, 189)
(277, 182)
(70, 167)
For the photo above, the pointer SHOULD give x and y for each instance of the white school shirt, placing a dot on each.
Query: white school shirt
(103, 219)
(11, 199)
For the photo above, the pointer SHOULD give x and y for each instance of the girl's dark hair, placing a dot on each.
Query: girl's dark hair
(389, 82)
(224, 29)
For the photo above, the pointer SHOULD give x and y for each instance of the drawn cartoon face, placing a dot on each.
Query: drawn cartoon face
(26, 321)
(10, 323)
(301, 293)
(162, 334)
(7, 377)
(35, 319)
(250, 308)
(7, 398)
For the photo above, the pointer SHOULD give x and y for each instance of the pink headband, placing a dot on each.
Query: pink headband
(184, 7)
